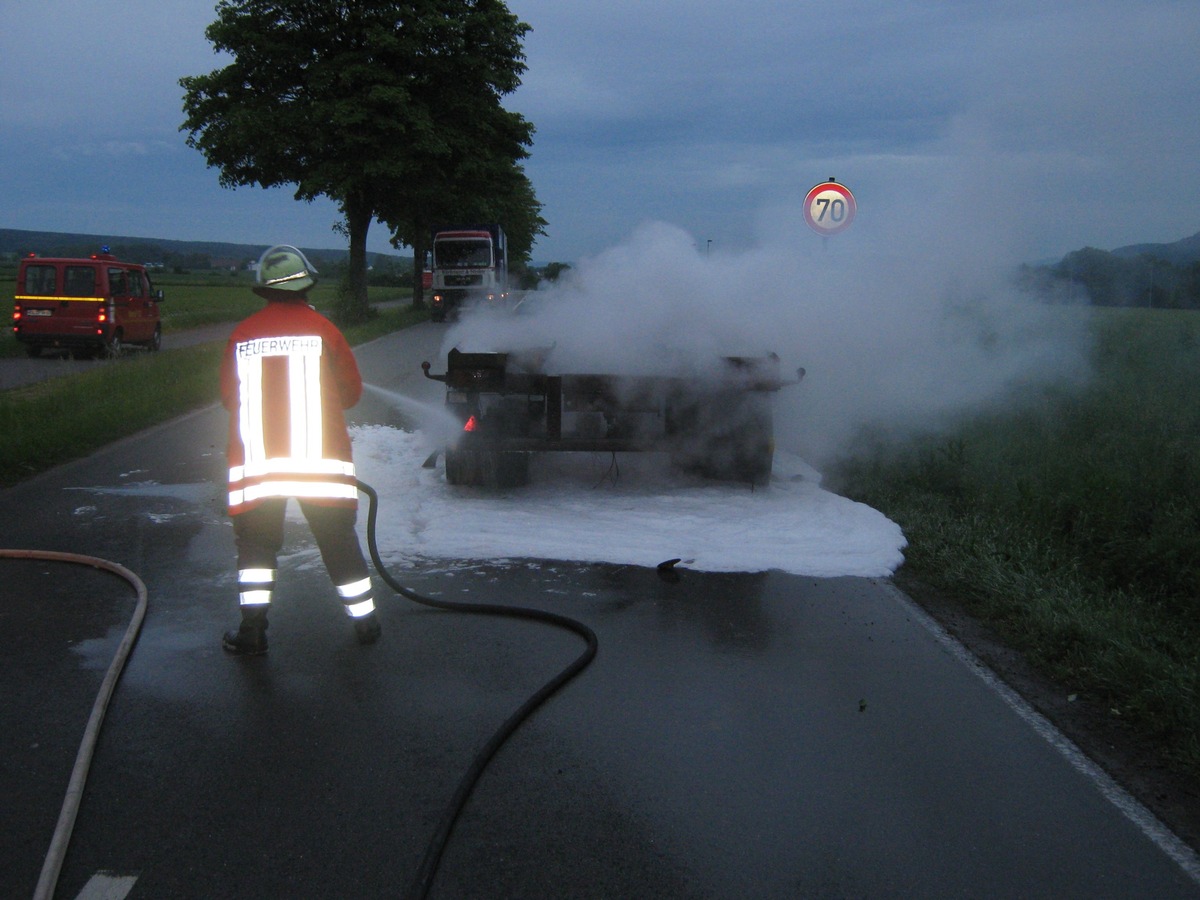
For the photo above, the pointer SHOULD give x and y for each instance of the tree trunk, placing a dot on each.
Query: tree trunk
(353, 306)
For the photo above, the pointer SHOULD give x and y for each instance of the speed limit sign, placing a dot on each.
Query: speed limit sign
(829, 208)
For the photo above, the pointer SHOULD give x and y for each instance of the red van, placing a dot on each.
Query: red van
(87, 306)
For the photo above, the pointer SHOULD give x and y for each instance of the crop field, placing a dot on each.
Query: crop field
(1071, 524)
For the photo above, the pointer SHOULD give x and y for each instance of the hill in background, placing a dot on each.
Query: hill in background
(1156, 276)
(1183, 252)
(168, 254)
(1149, 275)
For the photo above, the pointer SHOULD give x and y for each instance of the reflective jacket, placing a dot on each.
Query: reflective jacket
(286, 378)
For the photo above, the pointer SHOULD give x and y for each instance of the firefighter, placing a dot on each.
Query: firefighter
(286, 378)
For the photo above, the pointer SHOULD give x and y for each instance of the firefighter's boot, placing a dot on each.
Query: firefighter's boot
(250, 639)
(367, 628)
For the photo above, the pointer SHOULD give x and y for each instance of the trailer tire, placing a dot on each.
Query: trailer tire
(731, 440)
(487, 468)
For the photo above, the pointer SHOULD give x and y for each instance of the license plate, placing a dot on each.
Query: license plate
(39, 312)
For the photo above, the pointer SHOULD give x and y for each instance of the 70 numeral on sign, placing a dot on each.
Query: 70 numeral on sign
(829, 208)
(836, 209)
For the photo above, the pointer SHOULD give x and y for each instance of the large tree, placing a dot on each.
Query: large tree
(381, 106)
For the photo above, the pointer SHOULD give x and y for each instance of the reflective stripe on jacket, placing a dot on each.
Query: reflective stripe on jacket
(286, 378)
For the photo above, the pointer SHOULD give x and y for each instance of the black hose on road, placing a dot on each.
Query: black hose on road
(52, 866)
(433, 853)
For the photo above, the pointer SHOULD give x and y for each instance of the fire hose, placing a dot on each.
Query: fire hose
(83, 759)
(441, 836)
(421, 883)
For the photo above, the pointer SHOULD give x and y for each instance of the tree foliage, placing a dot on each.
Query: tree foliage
(391, 109)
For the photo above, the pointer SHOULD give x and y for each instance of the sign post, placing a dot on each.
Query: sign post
(829, 208)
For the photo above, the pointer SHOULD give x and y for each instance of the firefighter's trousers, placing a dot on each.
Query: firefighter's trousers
(259, 536)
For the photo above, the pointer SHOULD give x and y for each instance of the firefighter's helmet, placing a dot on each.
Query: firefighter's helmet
(285, 268)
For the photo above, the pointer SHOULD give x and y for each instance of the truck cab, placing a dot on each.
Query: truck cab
(470, 268)
(91, 306)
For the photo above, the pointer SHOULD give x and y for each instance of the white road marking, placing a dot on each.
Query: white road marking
(107, 886)
(1139, 815)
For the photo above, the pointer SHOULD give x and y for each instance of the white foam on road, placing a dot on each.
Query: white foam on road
(633, 509)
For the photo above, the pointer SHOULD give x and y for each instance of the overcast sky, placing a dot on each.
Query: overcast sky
(1044, 126)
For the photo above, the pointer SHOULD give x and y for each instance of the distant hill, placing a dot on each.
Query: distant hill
(1183, 252)
(194, 254)
(1159, 276)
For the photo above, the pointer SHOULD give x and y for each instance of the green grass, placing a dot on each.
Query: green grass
(194, 300)
(45, 424)
(1071, 524)
(48, 423)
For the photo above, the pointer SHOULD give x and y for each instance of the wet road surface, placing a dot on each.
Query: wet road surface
(739, 735)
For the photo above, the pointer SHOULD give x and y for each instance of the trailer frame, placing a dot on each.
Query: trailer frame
(718, 423)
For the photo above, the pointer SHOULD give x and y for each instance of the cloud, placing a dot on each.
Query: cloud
(113, 150)
(701, 114)
(70, 63)
(1068, 102)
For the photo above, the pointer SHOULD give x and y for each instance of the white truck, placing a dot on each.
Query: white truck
(469, 268)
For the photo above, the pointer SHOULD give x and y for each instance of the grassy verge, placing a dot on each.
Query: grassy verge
(45, 424)
(1071, 524)
(194, 300)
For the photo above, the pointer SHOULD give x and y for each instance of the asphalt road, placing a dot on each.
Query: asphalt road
(746, 735)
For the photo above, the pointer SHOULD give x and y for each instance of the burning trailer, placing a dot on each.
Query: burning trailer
(716, 422)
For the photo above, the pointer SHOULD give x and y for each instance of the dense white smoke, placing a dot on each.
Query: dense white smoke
(899, 332)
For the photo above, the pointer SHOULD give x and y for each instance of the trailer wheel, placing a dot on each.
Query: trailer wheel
(756, 455)
(730, 440)
(487, 468)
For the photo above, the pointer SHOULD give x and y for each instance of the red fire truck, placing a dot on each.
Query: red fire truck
(97, 305)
